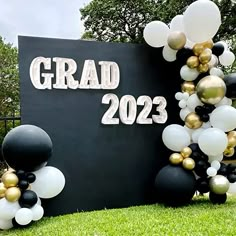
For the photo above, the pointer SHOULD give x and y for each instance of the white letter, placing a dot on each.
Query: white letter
(110, 74)
(63, 75)
(35, 73)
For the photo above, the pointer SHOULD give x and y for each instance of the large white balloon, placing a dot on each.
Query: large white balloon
(227, 58)
(224, 118)
(24, 216)
(175, 137)
(156, 33)
(216, 158)
(49, 182)
(201, 21)
(177, 24)
(169, 54)
(193, 102)
(188, 74)
(213, 141)
(8, 209)
(196, 134)
(5, 224)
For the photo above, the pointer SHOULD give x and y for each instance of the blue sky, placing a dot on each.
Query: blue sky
(44, 18)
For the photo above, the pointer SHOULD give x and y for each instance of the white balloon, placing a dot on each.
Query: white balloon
(8, 209)
(227, 58)
(184, 112)
(5, 224)
(37, 211)
(156, 33)
(217, 72)
(196, 134)
(201, 20)
(224, 118)
(176, 23)
(49, 182)
(206, 125)
(193, 102)
(185, 96)
(224, 101)
(39, 202)
(182, 103)
(216, 158)
(188, 74)
(215, 164)
(211, 171)
(169, 54)
(232, 188)
(213, 62)
(226, 46)
(24, 216)
(213, 141)
(175, 137)
(179, 96)
(190, 131)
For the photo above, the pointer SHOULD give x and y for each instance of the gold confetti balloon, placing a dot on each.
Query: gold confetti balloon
(176, 158)
(193, 121)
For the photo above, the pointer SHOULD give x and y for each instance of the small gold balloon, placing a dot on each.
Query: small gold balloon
(205, 56)
(193, 62)
(211, 89)
(208, 44)
(198, 49)
(231, 142)
(2, 190)
(188, 87)
(193, 121)
(176, 158)
(176, 40)
(13, 194)
(186, 152)
(232, 134)
(188, 163)
(10, 180)
(229, 152)
(203, 68)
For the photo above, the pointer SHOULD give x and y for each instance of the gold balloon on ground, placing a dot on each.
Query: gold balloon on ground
(229, 152)
(211, 89)
(188, 87)
(193, 62)
(13, 194)
(10, 180)
(186, 152)
(188, 163)
(205, 56)
(176, 40)
(193, 121)
(176, 158)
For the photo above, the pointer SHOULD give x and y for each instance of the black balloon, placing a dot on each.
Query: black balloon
(28, 199)
(183, 55)
(23, 184)
(201, 168)
(217, 198)
(21, 174)
(175, 186)
(223, 170)
(205, 117)
(218, 49)
(231, 178)
(27, 147)
(31, 177)
(203, 185)
(230, 81)
(194, 147)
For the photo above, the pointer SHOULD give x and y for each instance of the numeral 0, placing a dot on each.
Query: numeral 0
(128, 110)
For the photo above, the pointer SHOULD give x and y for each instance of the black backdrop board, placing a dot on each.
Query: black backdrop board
(104, 166)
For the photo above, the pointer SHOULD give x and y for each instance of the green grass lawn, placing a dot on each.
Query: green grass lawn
(199, 218)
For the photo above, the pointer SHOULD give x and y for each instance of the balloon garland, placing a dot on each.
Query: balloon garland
(26, 149)
(205, 100)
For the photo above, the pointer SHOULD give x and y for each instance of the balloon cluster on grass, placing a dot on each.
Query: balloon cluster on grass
(205, 100)
(26, 149)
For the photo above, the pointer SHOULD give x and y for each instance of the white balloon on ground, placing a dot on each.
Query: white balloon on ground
(227, 58)
(49, 182)
(169, 54)
(24, 216)
(177, 24)
(196, 134)
(188, 74)
(224, 118)
(175, 137)
(156, 33)
(217, 72)
(201, 21)
(232, 188)
(8, 209)
(224, 101)
(184, 112)
(212, 141)
(5, 224)
(193, 102)
(215, 164)
(211, 171)
(216, 158)
(37, 211)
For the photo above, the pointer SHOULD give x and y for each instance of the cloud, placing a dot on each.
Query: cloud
(44, 18)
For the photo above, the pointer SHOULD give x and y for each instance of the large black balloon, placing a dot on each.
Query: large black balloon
(175, 186)
(27, 147)
(28, 199)
(230, 81)
(217, 198)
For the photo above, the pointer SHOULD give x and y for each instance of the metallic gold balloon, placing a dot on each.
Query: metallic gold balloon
(205, 56)
(188, 87)
(186, 152)
(203, 68)
(208, 44)
(193, 121)
(229, 152)
(198, 48)
(188, 163)
(219, 184)
(193, 62)
(176, 40)
(232, 134)
(13, 194)
(2, 190)
(10, 180)
(231, 142)
(211, 89)
(176, 159)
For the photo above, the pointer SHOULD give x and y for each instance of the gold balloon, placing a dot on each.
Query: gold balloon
(193, 62)
(10, 180)
(208, 44)
(229, 152)
(203, 68)
(193, 121)
(188, 87)
(211, 89)
(188, 163)
(231, 142)
(13, 194)
(205, 56)
(2, 190)
(219, 184)
(232, 134)
(198, 48)
(175, 158)
(186, 152)
(176, 40)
